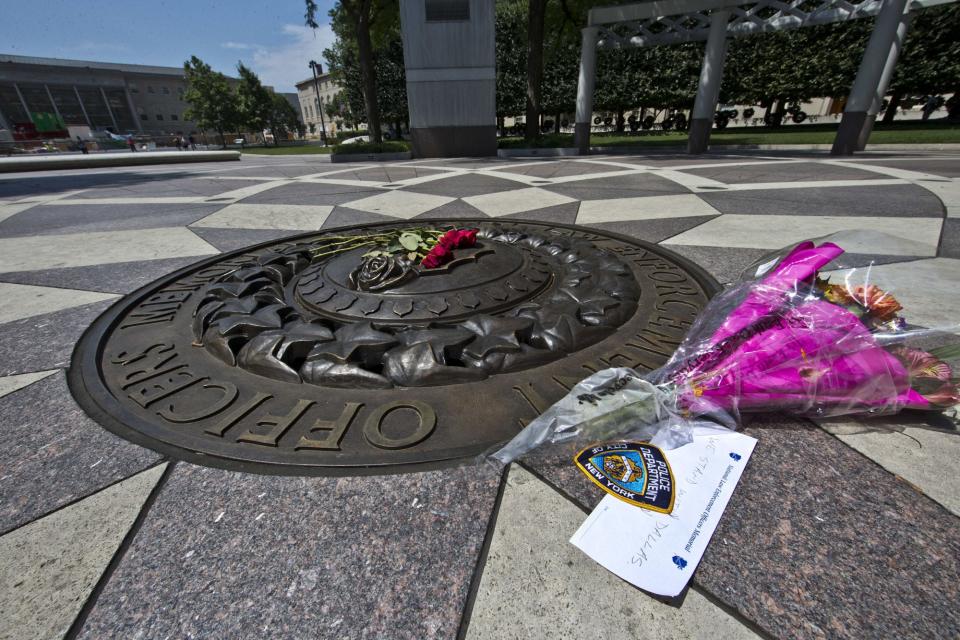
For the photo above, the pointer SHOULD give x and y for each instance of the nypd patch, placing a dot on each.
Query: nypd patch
(635, 472)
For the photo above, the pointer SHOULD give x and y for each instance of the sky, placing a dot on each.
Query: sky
(267, 35)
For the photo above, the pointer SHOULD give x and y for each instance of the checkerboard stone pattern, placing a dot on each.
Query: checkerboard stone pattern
(843, 529)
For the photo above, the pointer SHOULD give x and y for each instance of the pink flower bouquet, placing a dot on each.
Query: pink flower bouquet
(787, 341)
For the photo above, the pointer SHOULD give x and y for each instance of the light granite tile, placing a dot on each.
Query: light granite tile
(23, 300)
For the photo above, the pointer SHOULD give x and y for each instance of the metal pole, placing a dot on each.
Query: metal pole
(316, 88)
(867, 84)
(885, 78)
(708, 90)
(585, 85)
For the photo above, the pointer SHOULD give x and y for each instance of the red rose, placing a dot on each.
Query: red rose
(438, 255)
(468, 238)
(449, 239)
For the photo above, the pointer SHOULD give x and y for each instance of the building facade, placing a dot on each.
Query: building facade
(310, 109)
(51, 97)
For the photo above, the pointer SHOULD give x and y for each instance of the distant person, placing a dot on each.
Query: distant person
(193, 144)
(184, 143)
(82, 146)
(931, 105)
(176, 141)
(131, 143)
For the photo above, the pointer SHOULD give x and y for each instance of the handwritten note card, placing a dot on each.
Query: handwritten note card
(659, 552)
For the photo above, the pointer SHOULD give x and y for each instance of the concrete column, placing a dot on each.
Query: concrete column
(708, 91)
(133, 109)
(106, 103)
(585, 85)
(867, 84)
(56, 109)
(885, 78)
(23, 102)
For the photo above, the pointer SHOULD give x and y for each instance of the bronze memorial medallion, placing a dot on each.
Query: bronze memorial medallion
(279, 358)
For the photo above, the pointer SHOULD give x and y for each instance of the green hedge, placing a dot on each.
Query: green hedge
(394, 146)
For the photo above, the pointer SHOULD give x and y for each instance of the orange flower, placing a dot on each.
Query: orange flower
(881, 305)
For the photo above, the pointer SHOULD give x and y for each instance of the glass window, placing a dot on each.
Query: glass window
(150, 89)
(96, 108)
(117, 99)
(133, 88)
(174, 117)
(143, 116)
(11, 107)
(69, 106)
(159, 116)
(166, 91)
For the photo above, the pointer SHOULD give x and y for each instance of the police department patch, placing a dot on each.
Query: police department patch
(635, 472)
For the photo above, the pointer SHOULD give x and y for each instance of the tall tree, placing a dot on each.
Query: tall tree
(213, 104)
(254, 103)
(281, 117)
(361, 14)
(536, 17)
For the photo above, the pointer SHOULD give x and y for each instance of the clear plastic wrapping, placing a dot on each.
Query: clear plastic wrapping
(808, 330)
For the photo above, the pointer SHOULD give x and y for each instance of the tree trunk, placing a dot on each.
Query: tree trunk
(895, 99)
(223, 140)
(556, 123)
(620, 121)
(367, 74)
(535, 20)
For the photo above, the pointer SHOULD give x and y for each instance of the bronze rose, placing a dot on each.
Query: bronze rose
(381, 272)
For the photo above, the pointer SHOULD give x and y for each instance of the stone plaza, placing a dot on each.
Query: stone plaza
(841, 529)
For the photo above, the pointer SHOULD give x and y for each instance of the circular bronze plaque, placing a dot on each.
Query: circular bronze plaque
(285, 357)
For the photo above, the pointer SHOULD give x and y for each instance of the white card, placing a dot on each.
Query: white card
(659, 552)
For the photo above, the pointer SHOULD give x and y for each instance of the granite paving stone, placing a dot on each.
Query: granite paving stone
(119, 277)
(34, 301)
(46, 341)
(654, 230)
(560, 214)
(9, 384)
(470, 184)
(644, 208)
(519, 201)
(392, 173)
(948, 168)
(311, 193)
(556, 168)
(51, 453)
(950, 239)
(228, 555)
(399, 204)
(165, 185)
(900, 201)
(455, 209)
(783, 172)
(628, 186)
(725, 265)
(35, 253)
(230, 239)
(533, 574)
(819, 541)
(49, 567)
(267, 216)
(54, 220)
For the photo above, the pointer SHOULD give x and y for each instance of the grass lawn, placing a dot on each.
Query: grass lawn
(895, 133)
(292, 150)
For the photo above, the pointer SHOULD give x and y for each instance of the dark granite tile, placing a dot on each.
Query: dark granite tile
(50, 183)
(629, 186)
(560, 213)
(946, 167)
(902, 200)
(820, 542)
(725, 264)
(51, 453)
(45, 341)
(653, 230)
(391, 173)
(665, 160)
(466, 185)
(82, 218)
(559, 168)
(784, 172)
(166, 187)
(279, 172)
(230, 555)
(119, 277)
(950, 239)
(312, 193)
(342, 217)
(455, 209)
(230, 239)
